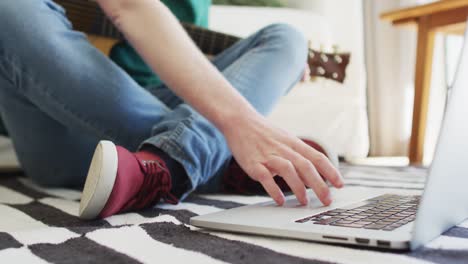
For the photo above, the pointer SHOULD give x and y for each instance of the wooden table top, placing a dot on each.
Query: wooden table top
(448, 16)
(412, 13)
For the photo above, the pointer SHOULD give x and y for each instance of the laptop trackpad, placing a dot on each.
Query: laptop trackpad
(341, 197)
(292, 202)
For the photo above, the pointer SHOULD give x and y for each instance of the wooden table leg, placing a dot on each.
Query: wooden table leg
(422, 85)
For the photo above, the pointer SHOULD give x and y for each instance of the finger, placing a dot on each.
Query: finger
(287, 171)
(326, 168)
(321, 163)
(265, 177)
(310, 177)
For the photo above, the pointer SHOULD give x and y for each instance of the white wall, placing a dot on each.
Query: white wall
(390, 65)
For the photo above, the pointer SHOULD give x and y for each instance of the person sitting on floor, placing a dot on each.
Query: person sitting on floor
(61, 100)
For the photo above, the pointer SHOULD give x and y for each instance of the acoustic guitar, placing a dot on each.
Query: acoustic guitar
(87, 16)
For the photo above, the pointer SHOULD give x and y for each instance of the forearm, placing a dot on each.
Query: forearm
(158, 37)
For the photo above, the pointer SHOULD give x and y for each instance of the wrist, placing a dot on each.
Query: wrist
(235, 119)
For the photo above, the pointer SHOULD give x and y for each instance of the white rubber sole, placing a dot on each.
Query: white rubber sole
(100, 180)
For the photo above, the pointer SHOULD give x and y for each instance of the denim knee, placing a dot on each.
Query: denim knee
(290, 41)
(28, 22)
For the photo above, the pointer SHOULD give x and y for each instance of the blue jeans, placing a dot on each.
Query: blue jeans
(59, 96)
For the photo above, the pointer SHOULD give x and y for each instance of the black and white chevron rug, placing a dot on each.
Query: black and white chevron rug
(40, 226)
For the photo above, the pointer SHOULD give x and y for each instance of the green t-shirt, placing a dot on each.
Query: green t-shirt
(190, 11)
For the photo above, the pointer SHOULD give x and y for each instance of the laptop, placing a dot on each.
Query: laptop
(374, 218)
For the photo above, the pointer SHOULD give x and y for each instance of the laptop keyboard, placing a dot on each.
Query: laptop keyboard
(386, 212)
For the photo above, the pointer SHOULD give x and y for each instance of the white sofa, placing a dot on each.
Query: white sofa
(330, 112)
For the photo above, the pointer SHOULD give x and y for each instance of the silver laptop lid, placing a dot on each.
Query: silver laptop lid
(445, 199)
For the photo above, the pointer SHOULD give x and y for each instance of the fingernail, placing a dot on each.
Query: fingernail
(328, 199)
(340, 184)
(280, 200)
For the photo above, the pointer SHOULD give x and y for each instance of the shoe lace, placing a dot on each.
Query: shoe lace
(156, 186)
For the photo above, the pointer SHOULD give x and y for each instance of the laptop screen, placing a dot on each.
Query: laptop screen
(445, 199)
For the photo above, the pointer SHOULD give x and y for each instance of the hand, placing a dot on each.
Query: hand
(306, 74)
(264, 151)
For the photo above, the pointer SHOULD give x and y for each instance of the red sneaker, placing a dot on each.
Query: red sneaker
(120, 181)
(237, 181)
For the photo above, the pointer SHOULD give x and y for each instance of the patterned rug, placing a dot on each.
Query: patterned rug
(40, 226)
